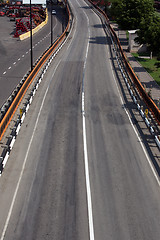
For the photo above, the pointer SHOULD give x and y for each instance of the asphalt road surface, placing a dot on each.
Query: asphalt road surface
(78, 169)
(15, 60)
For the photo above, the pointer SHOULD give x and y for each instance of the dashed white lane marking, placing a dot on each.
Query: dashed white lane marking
(28, 52)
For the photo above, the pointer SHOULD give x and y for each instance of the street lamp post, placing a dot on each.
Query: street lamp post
(31, 36)
(51, 25)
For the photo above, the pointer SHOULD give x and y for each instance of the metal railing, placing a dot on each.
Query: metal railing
(16, 101)
(146, 98)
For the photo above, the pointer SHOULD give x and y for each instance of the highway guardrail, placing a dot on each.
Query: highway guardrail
(146, 98)
(19, 96)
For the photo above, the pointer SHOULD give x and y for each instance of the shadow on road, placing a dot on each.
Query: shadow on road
(97, 26)
(98, 40)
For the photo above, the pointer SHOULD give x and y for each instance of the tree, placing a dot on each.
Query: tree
(149, 32)
(129, 13)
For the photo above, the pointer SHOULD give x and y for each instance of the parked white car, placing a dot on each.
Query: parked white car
(53, 12)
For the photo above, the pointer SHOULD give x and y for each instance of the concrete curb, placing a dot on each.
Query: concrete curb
(27, 34)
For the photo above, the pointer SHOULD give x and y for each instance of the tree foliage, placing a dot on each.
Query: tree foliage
(139, 14)
(129, 13)
(149, 32)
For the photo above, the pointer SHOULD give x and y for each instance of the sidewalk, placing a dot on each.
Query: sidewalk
(147, 81)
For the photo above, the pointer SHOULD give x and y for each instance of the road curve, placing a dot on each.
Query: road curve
(78, 169)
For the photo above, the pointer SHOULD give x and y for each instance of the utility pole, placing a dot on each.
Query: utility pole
(31, 35)
(51, 24)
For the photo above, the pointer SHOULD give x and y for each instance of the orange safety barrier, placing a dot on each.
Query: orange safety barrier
(149, 102)
(14, 105)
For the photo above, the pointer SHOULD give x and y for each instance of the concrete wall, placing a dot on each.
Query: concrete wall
(133, 46)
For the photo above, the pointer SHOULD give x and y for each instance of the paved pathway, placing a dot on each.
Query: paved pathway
(142, 74)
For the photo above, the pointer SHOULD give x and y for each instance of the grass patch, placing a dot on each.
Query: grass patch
(152, 66)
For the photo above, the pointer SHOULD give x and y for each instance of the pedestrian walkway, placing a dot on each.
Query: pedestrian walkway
(147, 81)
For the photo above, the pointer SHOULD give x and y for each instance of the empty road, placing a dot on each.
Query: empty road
(78, 169)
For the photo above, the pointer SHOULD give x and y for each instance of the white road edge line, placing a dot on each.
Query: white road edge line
(25, 160)
(139, 139)
(23, 167)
